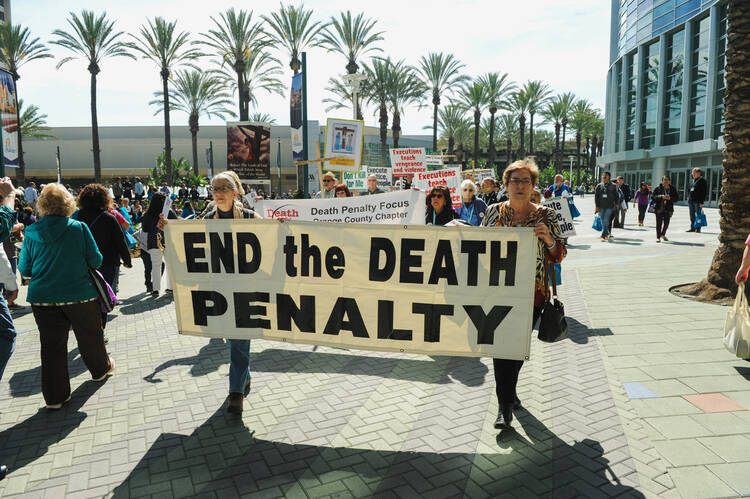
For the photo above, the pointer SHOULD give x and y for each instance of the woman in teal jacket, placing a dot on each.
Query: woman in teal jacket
(56, 255)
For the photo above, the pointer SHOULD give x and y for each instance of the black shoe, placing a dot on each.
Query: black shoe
(3, 471)
(698, 231)
(234, 402)
(149, 288)
(691, 230)
(106, 340)
(504, 417)
(246, 391)
(155, 294)
(517, 404)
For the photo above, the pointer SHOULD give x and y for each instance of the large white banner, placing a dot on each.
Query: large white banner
(449, 177)
(431, 290)
(564, 218)
(400, 207)
(407, 161)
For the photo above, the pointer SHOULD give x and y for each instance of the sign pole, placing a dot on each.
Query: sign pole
(305, 148)
(320, 167)
(59, 166)
(278, 163)
(210, 159)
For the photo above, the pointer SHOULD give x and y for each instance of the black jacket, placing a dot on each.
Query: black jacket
(625, 188)
(441, 218)
(698, 190)
(606, 196)
(108, 236)
(149, 225)
(661, 204)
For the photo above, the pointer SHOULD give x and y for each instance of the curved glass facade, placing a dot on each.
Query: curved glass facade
(665, 89)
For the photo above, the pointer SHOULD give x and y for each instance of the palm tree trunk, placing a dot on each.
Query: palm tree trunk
(167, 130)
(557, 148)
(396, 129)
(508, 147)
(564, 127)
(435, 104)
(531, 133)
(95, 133)
(477, 118)
(194, 136)
(522, 127)
(383, 135)
(21, 170)
(451, 144)
(240, 69)
(491, 145)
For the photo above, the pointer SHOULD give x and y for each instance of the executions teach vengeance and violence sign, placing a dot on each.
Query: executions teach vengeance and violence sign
(417, 289)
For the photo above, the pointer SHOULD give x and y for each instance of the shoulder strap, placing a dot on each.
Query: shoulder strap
(96, 219)
(549, 263)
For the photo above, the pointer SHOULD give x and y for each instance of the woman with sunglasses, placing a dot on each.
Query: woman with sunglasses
(472, 208)
(439, 210)
(520, 211)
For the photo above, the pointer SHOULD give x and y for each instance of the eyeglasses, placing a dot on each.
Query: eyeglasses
(327, 181)
(436, 196)
(520, 181)
(220, 189)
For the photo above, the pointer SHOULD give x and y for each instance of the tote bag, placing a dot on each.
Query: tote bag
(737, 326)
(597, 223)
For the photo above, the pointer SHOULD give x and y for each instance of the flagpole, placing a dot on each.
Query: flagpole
(59, 166)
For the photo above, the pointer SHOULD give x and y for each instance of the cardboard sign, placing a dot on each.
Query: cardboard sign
(384, 176)
(433, 162)
(407, 161)
(564, 218)
(449, 177)
(356, 181)
(344, 141)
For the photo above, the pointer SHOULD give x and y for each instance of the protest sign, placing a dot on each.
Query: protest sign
(384, 176)
(401, 207)
(344, 142)
(480, 175)
(449, 177)
(564, 218)
(463, 291)
(356, 181)
(249, 150)
(407, 161)
(433, 162)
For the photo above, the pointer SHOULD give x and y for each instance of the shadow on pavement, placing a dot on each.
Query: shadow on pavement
(143, 302)
(578, 246)
(579, 332)
(29, 382)
(222, 458)
(207, 360)
(681, 243)
(24, 443)
(744, 371)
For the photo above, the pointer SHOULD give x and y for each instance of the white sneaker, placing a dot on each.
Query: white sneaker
(108, 373)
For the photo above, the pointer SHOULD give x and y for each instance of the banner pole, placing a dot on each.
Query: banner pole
(305, 148)
(59, 166)
(210, 159)
(320, 166)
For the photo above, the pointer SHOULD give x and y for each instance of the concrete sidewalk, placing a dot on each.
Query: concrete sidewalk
(618, 410)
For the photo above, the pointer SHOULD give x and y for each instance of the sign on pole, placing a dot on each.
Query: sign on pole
(356, 181)
(343, 145)
(564, 218)
(249, 150)
(433, 162)
(384, 176)
(449, 177)
(9, 120)
(407, 161)
(295, 113)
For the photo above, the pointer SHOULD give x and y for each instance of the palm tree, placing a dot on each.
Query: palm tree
(508, 130)
(196, 93)
(351, 37)
(596, 129)
(32, 124)
(261, 73)
(235, 39)
(473, 97)
(498, 87)
(441, 73)
(161, 45)
(378, 92)
(262, 118)
(342, 96)
(452, 121)
(292, 28)
(567, 100)
(94, 39)
(15, 50)
(519, 105)
(538, 93)
(580, 121)
(405, 89)
(556, 112)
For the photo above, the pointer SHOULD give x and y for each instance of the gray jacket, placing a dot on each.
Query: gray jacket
(606, 196)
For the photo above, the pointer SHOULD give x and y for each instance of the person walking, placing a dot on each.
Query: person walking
(56, 256)
(155, 242)
(520, 178)
(439, 210)
(606, 198)
(642, 196)
(622, 206)
(31, 195)
(472, 208)
(664, 196)
(696, 197)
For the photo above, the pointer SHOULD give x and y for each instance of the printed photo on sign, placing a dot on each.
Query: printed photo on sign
(564, 218)
(464, 291)
(449, 177)
(295, 115)
(343, 145)
(407, 161)
(249, 150)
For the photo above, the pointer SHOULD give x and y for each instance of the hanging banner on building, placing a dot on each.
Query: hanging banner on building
(9, 119)
(401, 207)
(407, 161)
(295, 117)
(249, 150)
(356, 181)
(344, 140)
(449, 177)
(384, 176)
(564, 218)
(430, 290)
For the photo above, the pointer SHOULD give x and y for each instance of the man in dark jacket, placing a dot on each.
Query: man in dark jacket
(625, 196)
(606, 198)
(489, 193)
(697, 196)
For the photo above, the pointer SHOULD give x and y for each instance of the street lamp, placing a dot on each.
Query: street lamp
(571, 157)
(354, 80)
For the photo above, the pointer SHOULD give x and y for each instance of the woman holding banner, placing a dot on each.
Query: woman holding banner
(226, 189)
(342, 191)
(439, 211)
(472, 208)
(520, 179)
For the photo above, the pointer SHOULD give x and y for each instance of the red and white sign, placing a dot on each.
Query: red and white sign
(449, 177)
(408, 161)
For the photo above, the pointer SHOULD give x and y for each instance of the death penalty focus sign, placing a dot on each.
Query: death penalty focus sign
(465, 291)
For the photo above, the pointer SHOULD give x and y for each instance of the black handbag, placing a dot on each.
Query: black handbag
(552, 324)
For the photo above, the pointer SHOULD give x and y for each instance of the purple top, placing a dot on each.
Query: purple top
(641, 197)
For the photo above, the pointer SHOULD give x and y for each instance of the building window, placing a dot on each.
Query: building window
(618, 104)
(721, 84)
(673, 96)
(698, 78)
(631, 68)
(649, 95)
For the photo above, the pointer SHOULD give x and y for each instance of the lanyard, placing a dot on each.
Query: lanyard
(433, 217)
(471, 213)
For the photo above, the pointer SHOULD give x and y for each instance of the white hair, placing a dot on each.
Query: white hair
(468, 182)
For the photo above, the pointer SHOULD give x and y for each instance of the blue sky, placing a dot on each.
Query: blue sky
(563, 42)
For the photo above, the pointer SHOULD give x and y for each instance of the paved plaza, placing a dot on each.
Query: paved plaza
(641, 401)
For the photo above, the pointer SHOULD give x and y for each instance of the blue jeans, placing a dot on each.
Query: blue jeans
(239, 365)
(606, 215)
(7, 333)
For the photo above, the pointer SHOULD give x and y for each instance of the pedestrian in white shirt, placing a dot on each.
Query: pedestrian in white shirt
(31, 195)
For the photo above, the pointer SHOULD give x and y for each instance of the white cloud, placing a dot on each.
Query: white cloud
(563, 42)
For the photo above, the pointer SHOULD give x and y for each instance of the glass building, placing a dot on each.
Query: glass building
(665, 92)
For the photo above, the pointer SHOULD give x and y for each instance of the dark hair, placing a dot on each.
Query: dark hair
(342, 187)
(620, 177)
(93, 197)
(607, 173)
(444, 191)
(644, 186)
(156, 204)
(27, 209)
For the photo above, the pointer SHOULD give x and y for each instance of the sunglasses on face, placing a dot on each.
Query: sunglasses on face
(327, 181)
(436, 196)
